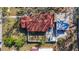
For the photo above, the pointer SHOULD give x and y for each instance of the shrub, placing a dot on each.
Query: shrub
(9, 42)
(19, 43)
(60, 41)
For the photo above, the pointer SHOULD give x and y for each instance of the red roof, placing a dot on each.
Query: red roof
(39, 23)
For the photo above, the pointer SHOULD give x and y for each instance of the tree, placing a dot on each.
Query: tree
(19, 43)
(4, 11)
(61, 43)
(9, 42)
(20, 11)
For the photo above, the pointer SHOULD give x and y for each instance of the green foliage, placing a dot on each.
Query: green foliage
(9, 42)
(19, 43)
(42, 41)
(61, 44)
(60, 41)
(20, 11)
(4, 11)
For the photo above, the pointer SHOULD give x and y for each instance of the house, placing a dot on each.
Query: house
(38, 24)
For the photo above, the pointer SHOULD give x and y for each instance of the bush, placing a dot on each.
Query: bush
(19, 43)
(9, 42)
(4, 11)
(42, 41)
(61, 41)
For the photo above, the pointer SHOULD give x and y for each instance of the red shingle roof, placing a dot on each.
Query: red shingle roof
(41, 23)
